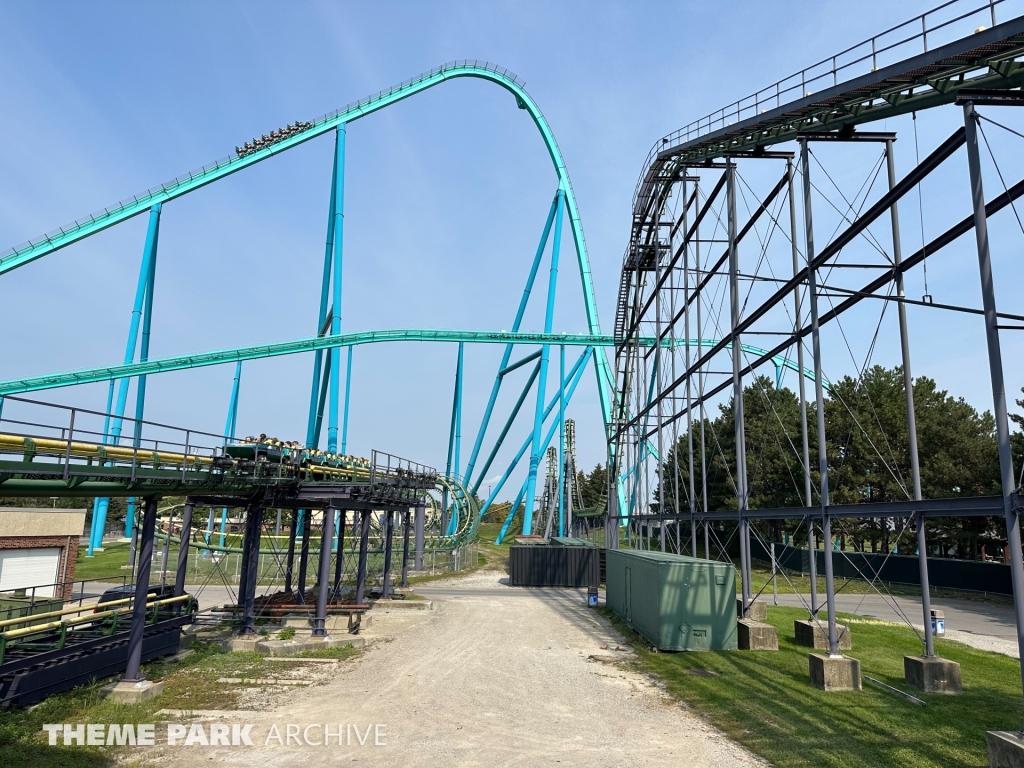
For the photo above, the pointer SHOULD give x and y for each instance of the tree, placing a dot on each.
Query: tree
(593, 487)
(868, 457)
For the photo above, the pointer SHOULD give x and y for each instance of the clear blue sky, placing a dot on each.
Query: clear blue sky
(445, 193)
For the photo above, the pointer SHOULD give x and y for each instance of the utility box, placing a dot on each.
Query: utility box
(563, 563)
(938, 623)
(678, 603)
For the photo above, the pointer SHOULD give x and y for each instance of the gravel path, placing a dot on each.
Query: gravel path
(493, 676)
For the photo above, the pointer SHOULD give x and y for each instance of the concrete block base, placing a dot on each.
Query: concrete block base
(756, 636)
(757, 610)
(242, 643)
(381, 604)
(126, 692)
(834, 673)
(1005, 749)
(299, 645)
(932, 675)
(810, 635)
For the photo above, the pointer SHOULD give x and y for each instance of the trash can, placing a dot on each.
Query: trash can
(592, 597)
(938, 623)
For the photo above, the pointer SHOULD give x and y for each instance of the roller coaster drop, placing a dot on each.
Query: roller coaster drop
(72, 459)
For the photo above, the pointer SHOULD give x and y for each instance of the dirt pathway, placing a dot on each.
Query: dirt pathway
(492, 676)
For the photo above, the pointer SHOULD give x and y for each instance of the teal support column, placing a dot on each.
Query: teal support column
(325, 291)
(112, 433)
(508, 348)
(319, 421)
(511, 514)
(561, 442)
(129, 517)
(576, 376)
(569, 383)
(458, 406)
(344, 416)
(339, 227)
(229, 431)
(508, 425)
(209, 530)
(535, 454)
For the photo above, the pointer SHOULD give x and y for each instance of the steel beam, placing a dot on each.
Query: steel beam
(995, 360)
(388, 528)
(305, 522)
(254, 514)
(339, 557)
(882, 206)
(133, 670)
(405, 549)
(323, 582)
(364, 545)
(420, 521)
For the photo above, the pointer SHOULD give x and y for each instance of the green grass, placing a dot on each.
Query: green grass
(102, 565)
(339, 653)
(188, 684)
(765, 701)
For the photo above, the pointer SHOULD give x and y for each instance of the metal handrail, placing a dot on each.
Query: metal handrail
(234, 158)
(772, 95)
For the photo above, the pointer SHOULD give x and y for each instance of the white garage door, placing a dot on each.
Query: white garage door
(26, 568)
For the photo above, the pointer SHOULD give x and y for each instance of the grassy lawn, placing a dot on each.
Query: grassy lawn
(764, 700)
(188, 684)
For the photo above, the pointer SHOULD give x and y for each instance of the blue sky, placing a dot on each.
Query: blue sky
(446, 192)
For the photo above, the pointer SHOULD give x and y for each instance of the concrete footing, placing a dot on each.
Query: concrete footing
(127, 692)
(401, 605)
(1005, 749)
(834, 673)
(299, 645)
(757, 610)
(756, 636)
(810, 635)
(932, 674)
(242, 643)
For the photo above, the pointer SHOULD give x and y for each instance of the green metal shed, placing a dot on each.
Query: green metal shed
(678, 603)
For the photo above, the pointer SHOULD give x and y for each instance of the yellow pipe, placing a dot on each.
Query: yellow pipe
(15, 633)
(64, 612)
(96, 450)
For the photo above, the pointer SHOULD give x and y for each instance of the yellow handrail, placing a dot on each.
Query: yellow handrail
(15, 633)
(98, 450)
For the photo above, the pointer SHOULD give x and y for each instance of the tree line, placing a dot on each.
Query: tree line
(867, 449)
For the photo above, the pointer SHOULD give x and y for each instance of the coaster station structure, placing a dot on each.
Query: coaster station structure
(66, 456)
(693, 262)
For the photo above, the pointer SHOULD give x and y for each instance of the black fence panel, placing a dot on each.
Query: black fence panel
(541, 565)
(972, 575)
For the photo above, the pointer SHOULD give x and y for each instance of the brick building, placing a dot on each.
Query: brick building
(39, 548)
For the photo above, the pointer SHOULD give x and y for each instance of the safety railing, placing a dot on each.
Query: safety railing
(75, 438)
(388, 469)
(949, 21)
(231, 159)
(24, 599)
(105, 614)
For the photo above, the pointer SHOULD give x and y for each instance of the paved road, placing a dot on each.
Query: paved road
(978, 618)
